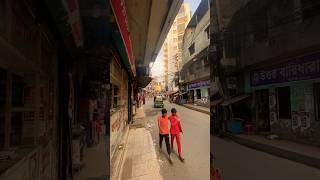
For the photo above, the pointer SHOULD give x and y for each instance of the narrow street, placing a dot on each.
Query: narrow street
(195, 144)
(239, 162)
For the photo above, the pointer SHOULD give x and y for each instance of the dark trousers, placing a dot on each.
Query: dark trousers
(166, 138)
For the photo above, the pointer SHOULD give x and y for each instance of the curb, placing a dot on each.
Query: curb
(290, 155)
(117, 168)
(196, 109)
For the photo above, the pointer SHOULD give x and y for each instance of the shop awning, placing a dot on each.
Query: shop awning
(183, 93)
(172, 92)
(143, 81)
(235, 99)
(216, 102)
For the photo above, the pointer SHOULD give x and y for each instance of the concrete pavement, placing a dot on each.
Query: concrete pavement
(240, 162)
(96, 162)
(309, 155)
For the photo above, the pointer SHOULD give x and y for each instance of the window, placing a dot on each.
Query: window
(316, 92)
(191, 49)
(284, 102)
(115, 96)
(260, 26)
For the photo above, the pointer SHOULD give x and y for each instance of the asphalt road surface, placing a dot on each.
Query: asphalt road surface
(238, 162)
(195, 144)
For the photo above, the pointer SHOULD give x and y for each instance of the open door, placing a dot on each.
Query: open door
(262, 105)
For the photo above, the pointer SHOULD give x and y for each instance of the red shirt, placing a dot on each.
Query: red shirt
(175, 125)
(163, 123)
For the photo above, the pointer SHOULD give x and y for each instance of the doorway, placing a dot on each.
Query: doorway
(262, 107)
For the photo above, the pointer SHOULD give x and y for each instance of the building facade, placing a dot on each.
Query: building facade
(172, 48)
(195, 71)
(277, 60)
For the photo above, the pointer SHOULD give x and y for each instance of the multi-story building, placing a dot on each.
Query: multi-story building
(172, 48)
(195, 71)
(274, 58)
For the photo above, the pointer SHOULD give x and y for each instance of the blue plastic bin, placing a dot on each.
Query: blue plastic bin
(235, 126)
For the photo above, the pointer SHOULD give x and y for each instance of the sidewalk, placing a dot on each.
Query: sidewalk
(96, 162)
(140, 159)
(197, 108)
(308, 155)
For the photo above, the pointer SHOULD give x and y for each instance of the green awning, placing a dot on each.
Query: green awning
(143, 81)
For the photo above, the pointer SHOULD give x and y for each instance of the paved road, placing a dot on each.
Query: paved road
(195, 144)
(239, 162)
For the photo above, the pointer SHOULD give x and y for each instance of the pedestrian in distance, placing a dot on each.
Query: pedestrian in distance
(175, 131)
(163, 123)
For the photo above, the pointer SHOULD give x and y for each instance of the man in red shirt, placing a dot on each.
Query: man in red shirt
(175, 131)
(163, 123)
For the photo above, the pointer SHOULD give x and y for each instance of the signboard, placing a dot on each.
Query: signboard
(199, 84)
(72, 9)
(119, 10)
(299, 68)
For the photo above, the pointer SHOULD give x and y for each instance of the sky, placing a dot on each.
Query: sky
(157, 67)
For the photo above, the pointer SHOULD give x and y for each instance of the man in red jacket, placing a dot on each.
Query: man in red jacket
(175, 131)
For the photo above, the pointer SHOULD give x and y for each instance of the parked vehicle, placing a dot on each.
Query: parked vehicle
(158, 102)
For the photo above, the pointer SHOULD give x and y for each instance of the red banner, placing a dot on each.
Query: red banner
(119, 10)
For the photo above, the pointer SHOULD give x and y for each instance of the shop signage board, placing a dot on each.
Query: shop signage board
(72, 8)
(303, 67)
(119, 10)
(199, 84)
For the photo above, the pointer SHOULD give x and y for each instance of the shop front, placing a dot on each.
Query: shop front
(199, 92)
(119, 105)
(291, 91)
(28, 98)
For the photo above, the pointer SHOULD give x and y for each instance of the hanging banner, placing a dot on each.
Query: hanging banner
(119, 10)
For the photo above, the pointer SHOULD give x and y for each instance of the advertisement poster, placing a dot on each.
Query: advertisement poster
(305, 120)
(272, 108)
(296, 120)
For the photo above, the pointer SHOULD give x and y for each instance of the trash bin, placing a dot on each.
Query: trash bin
(235, 125)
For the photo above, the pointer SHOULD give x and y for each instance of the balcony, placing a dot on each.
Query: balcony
(202, 73)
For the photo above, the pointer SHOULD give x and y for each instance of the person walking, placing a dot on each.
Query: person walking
(163, 123)
(175, 131)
